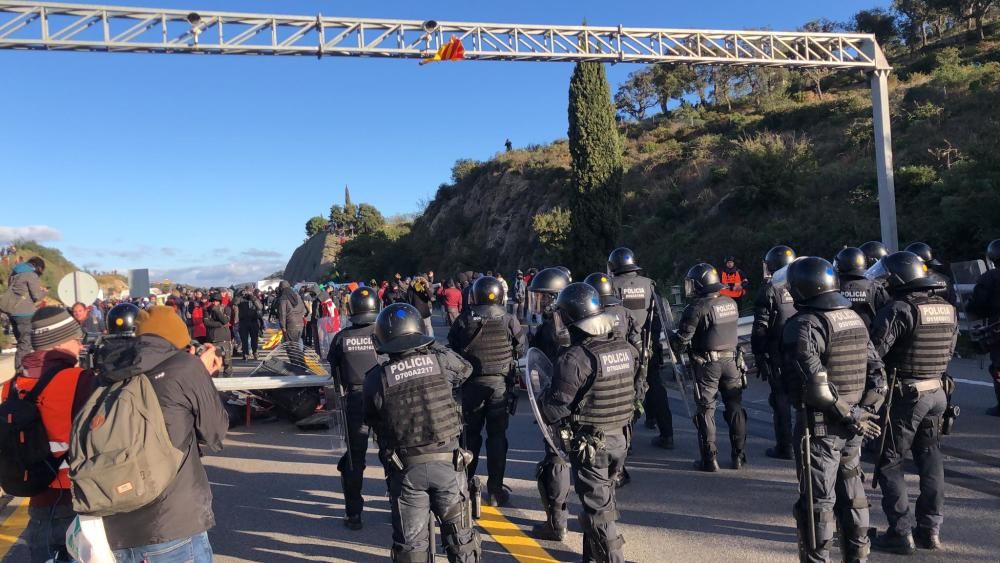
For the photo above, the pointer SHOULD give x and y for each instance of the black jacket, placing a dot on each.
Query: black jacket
(420, 299)
(291, 309)
(217, 319)
(196, 422)
(248, 311)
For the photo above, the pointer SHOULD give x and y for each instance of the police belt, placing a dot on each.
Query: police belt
(428, 458)
(920, 385)
(712, 356)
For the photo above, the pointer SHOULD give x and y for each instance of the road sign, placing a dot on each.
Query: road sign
(78, 287)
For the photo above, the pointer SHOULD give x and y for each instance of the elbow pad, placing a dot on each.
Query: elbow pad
(817, 392)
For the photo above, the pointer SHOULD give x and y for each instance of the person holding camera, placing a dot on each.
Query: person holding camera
(217, 317)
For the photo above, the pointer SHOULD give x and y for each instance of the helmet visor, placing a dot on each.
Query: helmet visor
(689, 288)
(877, 271)
(780, 278)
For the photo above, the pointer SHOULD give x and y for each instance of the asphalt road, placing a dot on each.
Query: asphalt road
(277, 495)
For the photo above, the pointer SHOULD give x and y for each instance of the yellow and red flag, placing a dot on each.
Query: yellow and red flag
(453, 50)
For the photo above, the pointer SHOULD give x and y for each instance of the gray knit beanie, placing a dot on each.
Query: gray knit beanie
(51, 326)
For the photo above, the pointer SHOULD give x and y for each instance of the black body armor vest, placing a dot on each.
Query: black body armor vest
(846, 357)
(608, 404)
(925, 353)
(722, 320)
(419, 408)
(490, 351)
(358, 354)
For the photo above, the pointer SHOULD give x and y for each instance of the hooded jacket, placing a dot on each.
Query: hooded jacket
(25, 283)
(291, 309)
(196, 422)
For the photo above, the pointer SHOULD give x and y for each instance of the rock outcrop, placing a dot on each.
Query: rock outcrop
(314, 259)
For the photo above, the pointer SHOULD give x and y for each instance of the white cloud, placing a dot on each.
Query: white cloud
(38, 233)
(217, 274)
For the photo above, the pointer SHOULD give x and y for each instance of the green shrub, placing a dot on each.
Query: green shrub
(769, 168)
(647, 148)
(916, 176)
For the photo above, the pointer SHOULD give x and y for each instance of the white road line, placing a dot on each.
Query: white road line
(972, 382)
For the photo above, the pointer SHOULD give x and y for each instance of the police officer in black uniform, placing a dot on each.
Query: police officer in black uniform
(625, 328)
(935, 270)
(637, 293)
(409, 402)
(837, 376)
(491, 340)
(352, 354)
(708, 327)
(985, 302)
(772, 309)
(874, 251)
(592, 393)
(915, 335)
(866, 296)
(551, 337)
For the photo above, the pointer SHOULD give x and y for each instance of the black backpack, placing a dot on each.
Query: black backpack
(27, 465)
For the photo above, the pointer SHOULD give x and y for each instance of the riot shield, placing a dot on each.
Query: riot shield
(537, 379)
(676, 365)
(965, 276)
(336, 413)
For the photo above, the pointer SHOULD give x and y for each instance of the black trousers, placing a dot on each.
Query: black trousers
(601, 540)
(552, 474)
(995, 369)
(723, 378)
(225, 350)
(657, 402)
(22, 333)
(414, 493)
(249, 336)
(838, 496)
(352, 473)
(781, 407)
(484, 403)
(915, 426)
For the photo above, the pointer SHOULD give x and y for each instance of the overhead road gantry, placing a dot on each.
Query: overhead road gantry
(117, 29)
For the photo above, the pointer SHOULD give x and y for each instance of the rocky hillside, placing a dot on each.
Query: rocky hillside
(314, 260)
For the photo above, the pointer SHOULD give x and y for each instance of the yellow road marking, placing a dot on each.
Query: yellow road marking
(507, 534)
(13, 527)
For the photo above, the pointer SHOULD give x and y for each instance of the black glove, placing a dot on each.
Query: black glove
(863, 422)
(763, 367)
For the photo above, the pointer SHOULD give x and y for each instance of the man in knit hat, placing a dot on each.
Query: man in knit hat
(196, 421)
(56, 340)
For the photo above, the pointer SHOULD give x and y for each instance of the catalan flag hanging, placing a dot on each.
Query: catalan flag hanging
(451, 51)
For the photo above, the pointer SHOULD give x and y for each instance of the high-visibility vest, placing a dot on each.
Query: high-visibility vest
(732, 278)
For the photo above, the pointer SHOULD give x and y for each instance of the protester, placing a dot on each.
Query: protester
(176, 523)
(25, 283)
(418, 294)
(90, 325)
(217, 319)
(56, 339)
(451, 297)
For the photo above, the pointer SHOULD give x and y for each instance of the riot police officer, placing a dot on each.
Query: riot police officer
(837, 377)
(491, 340)
(551, 337)
(637, 293)
(772, 309)
(935, 269)
(122, 320)
(625, 329)
(985, 302)
(866, 296)
(874, 251)
(915, 335)
(708, 328)
(409, 403)
(592, 394)
(352, 354)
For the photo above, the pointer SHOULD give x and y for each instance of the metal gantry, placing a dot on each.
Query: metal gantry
(95, 28)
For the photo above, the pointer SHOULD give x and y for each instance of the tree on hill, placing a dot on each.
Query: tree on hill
(878, 22)
(369, 220)
(595, 149)
(636, 95)
(315, 225)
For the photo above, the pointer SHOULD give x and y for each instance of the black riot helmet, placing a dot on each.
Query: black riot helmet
(993, 252)
(923, 250)
(701, 279)
(850, 262)
(121, 320)
(777, 258)
(579, 306)
(621, 261)
(602, 283)
(400, 328)
(904, 271)
(363, 305)
(487, 293)
(565, 270)
(549, 280)
(813, 283)
(874, 251)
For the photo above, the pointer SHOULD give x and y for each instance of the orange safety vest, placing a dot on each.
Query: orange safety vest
(56, 407)
(732, 278)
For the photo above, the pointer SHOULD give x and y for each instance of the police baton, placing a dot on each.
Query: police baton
(886, 428)
(806, 477)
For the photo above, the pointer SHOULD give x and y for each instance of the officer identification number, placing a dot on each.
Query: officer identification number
(856, 295)
(358, 344)
(845, 319)
(616, 362)
(931, 314)
(412, 368)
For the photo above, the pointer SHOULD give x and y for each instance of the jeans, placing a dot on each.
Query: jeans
(195, 549)
(47, 527)
(21, 326)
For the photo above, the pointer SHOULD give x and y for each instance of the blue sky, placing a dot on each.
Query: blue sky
(205, 169)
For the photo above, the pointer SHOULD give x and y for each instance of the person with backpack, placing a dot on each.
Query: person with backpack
(50, 385)
(24, 290)
(174, 526)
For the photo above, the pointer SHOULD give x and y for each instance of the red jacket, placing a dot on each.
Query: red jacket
(452, 298)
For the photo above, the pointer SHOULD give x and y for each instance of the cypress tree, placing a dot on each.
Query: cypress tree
(596, 164)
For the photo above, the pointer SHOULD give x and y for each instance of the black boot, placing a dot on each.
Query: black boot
(498, 497)
(353, 522)
(892, 542)
(665, 442)
(739, 460)
(925, 538)
(779, 452)
(548, 531)
(707, 463)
